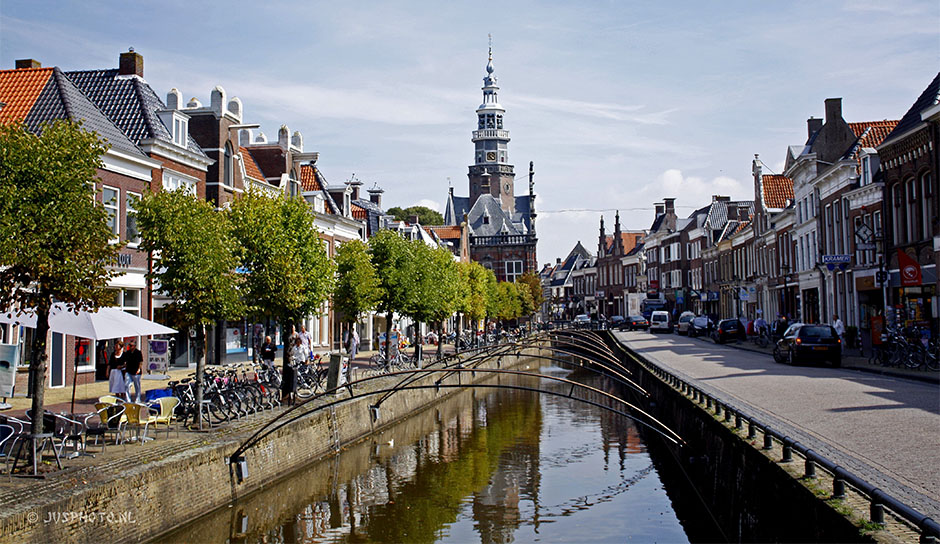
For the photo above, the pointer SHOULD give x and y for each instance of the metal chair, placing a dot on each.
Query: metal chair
(109, 422)
(167, 415)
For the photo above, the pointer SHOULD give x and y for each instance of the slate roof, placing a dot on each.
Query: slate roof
(130, 103)
(911, 119)
(38, 95)
(374, 214)
(658, 222)
(636, 249)
(776, 190)
(718, 214)
(457, 206)
(499, 222)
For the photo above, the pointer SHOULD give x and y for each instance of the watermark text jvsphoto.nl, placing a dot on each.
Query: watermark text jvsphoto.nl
(99, 518)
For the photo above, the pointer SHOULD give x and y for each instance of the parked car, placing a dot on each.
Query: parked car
(659, 321)
(684, 323)
(804, 342)
(728, 329)
(635, 322)
(701, 326)
(616, 321)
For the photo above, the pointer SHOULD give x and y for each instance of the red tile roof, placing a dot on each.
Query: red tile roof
(251, 167)
(19, 90)
(308, 178)
(879, 131)
(447, 232)
(358, 212)
(777, 190)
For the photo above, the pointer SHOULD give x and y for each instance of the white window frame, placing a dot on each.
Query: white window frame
(173, 181)
(130, 211)
(113, 207)
(514, 269)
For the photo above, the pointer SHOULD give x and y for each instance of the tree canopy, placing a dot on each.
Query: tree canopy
(358, 288)
(54, 238)
(288, 273)
(426, 216)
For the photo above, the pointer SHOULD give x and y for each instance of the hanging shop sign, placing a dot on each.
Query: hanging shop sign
(910, 270)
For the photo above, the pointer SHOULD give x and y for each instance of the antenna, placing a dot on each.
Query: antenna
(490, 36)
(449, 184)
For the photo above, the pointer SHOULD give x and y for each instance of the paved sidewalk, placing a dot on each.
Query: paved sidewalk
(851, 362)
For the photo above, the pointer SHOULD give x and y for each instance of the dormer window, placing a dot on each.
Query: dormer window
(177, 124)
(866, 170)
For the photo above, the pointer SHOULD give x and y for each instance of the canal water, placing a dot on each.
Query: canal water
(487, 465)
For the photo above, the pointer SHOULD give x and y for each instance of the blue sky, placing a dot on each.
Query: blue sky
(619, 104)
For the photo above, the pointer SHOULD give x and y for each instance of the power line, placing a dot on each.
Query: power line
(582, 210)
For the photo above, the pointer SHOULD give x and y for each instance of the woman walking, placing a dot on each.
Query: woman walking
(116, 382)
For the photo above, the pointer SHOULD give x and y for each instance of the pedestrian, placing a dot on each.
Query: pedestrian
(352, 348)
(268, 352)
(116, 383)
(307, 341)
(839, 326)
(298, 356)
(133, 364)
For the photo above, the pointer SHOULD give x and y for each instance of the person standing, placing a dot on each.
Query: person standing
(116, 383)
(133, 366)
(352, 348)
(839, 326)
(268, 352)
(307, 341)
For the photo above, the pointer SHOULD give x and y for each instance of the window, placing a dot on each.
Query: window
(227, 167)
(110, 197)
(513, 270)
(896, 213)
(911, 210)
(173, 182)
(133, 235)
(926, 206)
(180, 131)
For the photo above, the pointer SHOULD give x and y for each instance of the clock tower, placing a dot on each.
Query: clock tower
(491, 173)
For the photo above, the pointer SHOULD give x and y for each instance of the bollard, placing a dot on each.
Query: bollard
(810, 471)
(727, 413)
(787, 452)
(708, 403)
(738, 422)
(768, 440)
(877, 513)
(751, 430)
(717, 408)
(838, 488)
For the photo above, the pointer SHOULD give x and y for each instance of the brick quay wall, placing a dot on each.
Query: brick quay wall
(139, 496)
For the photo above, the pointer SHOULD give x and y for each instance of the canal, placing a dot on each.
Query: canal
(487, 465)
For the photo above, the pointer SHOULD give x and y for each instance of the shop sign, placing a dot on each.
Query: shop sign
(713, 295)
(158, 356)
(910, 270)
(864, 283)
(831, 261)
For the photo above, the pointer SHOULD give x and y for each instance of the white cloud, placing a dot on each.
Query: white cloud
(694, 192)
(428, 203)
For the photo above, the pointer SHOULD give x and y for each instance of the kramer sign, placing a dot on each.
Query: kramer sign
(836, 259)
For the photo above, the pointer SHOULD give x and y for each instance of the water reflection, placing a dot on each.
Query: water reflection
(486, 466)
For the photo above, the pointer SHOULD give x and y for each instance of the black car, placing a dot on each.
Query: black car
(701, 326)
(805, 342)
(634, 322)
(728, 329)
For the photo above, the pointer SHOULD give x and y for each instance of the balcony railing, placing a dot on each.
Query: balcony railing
(490, 133)
(503, 240)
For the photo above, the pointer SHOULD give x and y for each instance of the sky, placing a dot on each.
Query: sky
(619, 104)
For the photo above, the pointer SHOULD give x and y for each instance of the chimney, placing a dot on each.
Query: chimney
(732, 211)
(660, 208)
(670, 205)
(812, 126)
(131, 64)
(833, 109)
(557, 260)
(27, 63)
(174, 99)
(375, 196)
(719, 198)
(413, 219)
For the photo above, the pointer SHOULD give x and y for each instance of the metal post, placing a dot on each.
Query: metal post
(727, 413)
(768, 440)
(738, 422)
(751, 430)
(838, 488)
(787, 452)
(810, 471)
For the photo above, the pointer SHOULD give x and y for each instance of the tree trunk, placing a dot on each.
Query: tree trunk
(37, 363)
(388, 334)
(200, 369)
(440, 339)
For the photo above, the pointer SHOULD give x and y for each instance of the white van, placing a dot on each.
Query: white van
(659, 321)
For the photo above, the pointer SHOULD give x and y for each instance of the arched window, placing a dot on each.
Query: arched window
(926, 205)
(227, 168)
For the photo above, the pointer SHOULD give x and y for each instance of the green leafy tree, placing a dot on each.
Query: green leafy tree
(288, 273)
(392, 258)
(358, 289)
(195, 266)
(536, 296)
(490, 287)
(508, 305)
(433, 293)
(54, 239)
(426, 216)
(473, 293)
(526, 304)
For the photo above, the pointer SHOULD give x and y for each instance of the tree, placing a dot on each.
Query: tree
(288, 273)
(434, 293)
(391, 256)
(508, 302)
(358, 289)
(54, 238)
(426, 216)
(195, 267)
(473, 294)
(536, 297)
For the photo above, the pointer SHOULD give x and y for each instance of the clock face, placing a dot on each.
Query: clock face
(491, 155)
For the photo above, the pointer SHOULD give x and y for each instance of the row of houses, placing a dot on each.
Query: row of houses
(210, 150)
(848, 228)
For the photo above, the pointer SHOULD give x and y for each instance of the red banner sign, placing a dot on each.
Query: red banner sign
(910, 270)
